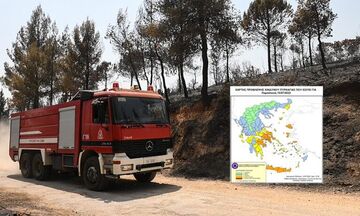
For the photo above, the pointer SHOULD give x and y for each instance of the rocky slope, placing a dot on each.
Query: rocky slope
(201, 133)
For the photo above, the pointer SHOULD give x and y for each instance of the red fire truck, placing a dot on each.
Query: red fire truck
(98, 134)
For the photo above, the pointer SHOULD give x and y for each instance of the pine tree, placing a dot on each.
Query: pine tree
(125, 42)
(206, 19)
(182, 45)
(3, 109)
(303, 26)
(86, 45)
(144, 25)
(26, 76)
(322, 17)
(264, 17)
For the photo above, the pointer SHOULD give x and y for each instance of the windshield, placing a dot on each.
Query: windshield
(139, 110)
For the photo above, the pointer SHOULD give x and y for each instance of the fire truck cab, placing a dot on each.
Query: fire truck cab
(98, 134)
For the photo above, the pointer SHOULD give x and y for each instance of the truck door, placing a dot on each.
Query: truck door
(100, 130)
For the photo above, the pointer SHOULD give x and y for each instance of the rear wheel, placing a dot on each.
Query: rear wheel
(145, 177)
(25, 165)
(92, 176)
(40, 171)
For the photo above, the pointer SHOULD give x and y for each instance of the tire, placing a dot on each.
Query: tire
(39, 171)
(92, 177)
(145, 177)
(25, 165)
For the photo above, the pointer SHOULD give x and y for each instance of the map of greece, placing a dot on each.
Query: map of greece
(276, 134)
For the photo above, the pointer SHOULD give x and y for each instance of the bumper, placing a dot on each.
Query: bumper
(123, 165)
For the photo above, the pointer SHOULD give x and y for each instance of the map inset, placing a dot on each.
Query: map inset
(278, 131)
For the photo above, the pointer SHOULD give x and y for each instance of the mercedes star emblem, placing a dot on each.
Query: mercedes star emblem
(149, 146)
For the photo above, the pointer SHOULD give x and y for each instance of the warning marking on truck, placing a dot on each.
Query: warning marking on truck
(100, 134)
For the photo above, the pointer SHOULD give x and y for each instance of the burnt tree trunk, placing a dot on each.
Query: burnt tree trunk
(302, 55)
(275, 58)
(204, 49)
(227, 64)
(323, 60)
(183, 82)
(163, 76)
(268, 35)
(310, 52)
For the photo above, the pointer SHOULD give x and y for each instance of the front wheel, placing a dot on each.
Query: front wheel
(145, 177)
(92, 176)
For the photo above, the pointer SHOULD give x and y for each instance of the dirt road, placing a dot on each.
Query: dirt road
(65, 195)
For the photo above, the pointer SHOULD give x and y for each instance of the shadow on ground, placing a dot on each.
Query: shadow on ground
(119, 191)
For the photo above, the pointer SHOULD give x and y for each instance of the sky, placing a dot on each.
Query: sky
(15, 13)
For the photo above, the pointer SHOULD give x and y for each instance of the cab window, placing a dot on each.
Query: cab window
(100, 111)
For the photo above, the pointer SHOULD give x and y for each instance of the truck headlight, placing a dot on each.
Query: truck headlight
(168, 161)
(127, 167)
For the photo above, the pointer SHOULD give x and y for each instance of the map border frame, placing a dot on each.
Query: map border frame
(322, 129)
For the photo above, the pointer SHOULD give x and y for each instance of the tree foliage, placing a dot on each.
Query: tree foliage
(45, 63)
(278, 42)
(208, 19)
(4, 112)
(342, 50)
(145, 26)
(153, 30)
(228, 38)
(182, 42)
(27, 77)
(264, 17)
(321, 18)
(87, 49)
(302, 26)
(125, 43)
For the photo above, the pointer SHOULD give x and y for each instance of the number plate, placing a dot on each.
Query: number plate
(150, 161)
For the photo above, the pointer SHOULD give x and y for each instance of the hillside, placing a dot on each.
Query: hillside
(201, 133)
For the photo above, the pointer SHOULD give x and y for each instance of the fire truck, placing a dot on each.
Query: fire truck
(100, 135)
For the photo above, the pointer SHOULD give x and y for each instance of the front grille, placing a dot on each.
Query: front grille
(144, 166)
(140, 148)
